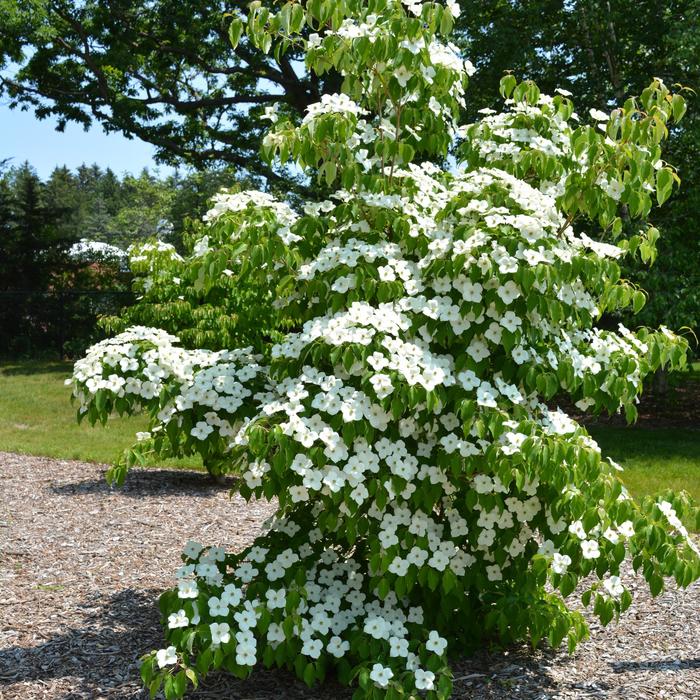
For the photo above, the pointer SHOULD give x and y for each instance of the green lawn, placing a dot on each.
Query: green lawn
(36, 417)
(654, 460)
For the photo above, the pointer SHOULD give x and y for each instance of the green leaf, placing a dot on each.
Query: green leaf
(664, 185)
(449, 581)
(558, 631)
(567, 584)
(309, 676)
(678, 105)
(235, 30)
(507, 85)
(146, 670)
(155, 685)
(604, 609)
(204, 661)
(638, 301)
(180, 683)
(656, 584)
(169, 688)
(101, 397)
(330, 170)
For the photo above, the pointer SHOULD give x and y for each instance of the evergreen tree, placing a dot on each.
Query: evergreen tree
(35, 255)
(62, 197)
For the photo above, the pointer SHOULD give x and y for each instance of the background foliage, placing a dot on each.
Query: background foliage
(52, 295)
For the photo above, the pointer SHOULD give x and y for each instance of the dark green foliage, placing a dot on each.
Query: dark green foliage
(51, 301)
(219, 300)
(34, 263)
(162, 71)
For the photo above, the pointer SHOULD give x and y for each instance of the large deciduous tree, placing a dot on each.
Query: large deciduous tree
(160, 71)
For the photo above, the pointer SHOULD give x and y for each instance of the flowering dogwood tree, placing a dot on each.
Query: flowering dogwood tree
(429, 498)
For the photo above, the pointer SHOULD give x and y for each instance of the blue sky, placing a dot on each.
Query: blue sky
(23, 137)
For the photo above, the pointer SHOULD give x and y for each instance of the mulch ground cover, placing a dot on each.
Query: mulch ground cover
(82, 565)
(676, 407)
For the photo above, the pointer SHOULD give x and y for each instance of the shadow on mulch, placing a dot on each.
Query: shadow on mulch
(515, 672)
(152, 482)
(100, 658)
(667, 665)
(267, 684)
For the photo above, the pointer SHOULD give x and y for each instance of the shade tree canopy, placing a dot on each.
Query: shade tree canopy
(162, 71)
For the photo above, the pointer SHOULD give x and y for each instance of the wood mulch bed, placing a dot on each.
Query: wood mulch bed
(677, 407)
(81, 566)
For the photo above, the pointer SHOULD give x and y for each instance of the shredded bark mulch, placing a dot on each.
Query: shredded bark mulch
(82, 565)
(676, 407)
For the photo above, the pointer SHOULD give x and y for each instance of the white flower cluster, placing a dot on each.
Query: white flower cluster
(88, 251)
(225, 201)
(486, 309)
(337, 103)
(135, 362)
(140, 363)
(424, 67)
(675, 522)
(327, 619)
(509, 136)
(144, 252)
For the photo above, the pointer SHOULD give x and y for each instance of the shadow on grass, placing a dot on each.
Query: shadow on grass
(98, 657)
(626, 443)
(152, 482)
(13, 368)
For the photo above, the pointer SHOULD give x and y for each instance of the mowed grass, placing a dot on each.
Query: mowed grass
(36, 417)
(654, 459)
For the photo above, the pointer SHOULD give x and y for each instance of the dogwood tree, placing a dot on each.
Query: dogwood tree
(429, 495)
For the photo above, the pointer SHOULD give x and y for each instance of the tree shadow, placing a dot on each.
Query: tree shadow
(152, 482)
(656, 665)
(97, 656)
(513, 672)
(267, 684)
(631, 442)
(100, 657)
(12, 367)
